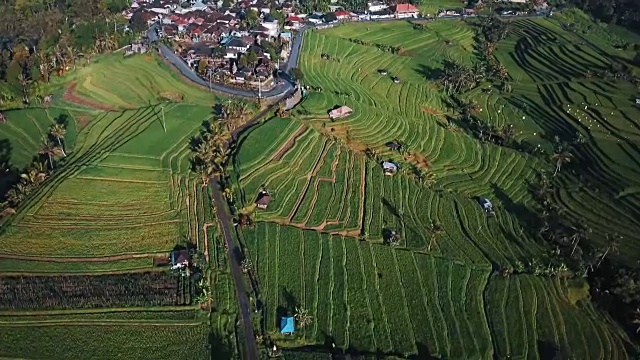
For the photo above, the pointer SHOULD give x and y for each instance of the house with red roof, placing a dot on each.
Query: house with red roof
(343, 15)
(403, 11)
(293, 23)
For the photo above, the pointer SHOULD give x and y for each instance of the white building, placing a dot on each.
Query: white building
(376, 6)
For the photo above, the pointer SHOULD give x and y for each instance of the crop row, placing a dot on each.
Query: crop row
(65, 292)
(108, 341)
(365, 295)
(373, 297)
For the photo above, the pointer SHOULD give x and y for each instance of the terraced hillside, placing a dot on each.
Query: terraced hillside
(84, 250)
(439, 291)
(550, 99)
(377, 299)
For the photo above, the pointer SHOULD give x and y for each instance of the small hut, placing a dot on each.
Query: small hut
(389, 168)
(487, 205)
(263, 200)
(342, 111)
(180, 259)
(393, 145)
(287, 325)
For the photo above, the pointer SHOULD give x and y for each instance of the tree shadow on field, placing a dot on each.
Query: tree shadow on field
(432, 74)
(62, 119)
(526, 217)
(390, 208)
(220, 348)
(8, 173)
(289, 308)
(423, 353)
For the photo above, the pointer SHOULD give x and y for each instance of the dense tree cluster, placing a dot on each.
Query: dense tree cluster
(621, 12)
(39, 38)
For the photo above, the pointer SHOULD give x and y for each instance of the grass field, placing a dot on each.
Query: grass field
(123, 196)
(441, 298)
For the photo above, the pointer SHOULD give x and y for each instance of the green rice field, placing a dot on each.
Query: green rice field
(319, 244)
(122, 197)
(377, 299)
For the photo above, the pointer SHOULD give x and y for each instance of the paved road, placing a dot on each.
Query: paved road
(234, 264)
(280, 89)
(234, 252)
(284, 86)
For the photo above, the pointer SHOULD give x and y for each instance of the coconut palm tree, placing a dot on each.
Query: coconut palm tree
(246, 265)
(303, 317)
(580, 232)
(613, 241)
(16, 195)
(636, 320)
(204, 171)
(57, 131)
(561, 158)
(50, 151)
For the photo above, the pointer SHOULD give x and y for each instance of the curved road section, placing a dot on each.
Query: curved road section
(282, 88)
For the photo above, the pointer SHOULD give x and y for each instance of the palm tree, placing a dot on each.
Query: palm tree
(636, 320)
(246, 265)
(204, 172)
(580, 232)
(57, 132)
(613, 241)
(302, 317)
(561, 158)
(49, 151)
(15, 196)
(436, 230)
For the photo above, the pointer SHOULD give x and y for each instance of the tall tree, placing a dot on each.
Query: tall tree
(560, 159)
(57, 131)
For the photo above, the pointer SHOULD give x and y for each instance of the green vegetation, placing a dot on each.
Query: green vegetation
(405, 302)
(537, 118)
(105, 341)
(115, 203)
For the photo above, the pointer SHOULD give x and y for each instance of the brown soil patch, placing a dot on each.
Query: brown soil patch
(431, 111)
(418, 160)
(290, 143)
(71, 97)
(171, 96)
(341, 131)
(82, 121)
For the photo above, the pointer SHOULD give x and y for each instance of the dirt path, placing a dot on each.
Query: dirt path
(289, 144)
(71, 97)
(80, 259)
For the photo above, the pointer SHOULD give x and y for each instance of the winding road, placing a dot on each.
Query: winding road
(284, 86)
(279, 92)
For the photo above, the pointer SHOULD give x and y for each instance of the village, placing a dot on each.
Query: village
(245, 44)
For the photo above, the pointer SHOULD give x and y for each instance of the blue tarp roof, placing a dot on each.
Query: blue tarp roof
(286, 325)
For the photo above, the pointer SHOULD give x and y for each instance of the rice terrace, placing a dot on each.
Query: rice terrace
(446, 188)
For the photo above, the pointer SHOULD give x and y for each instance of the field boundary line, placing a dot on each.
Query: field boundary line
(97, 323)
(80, 259)
(158, 309)
(119, 180)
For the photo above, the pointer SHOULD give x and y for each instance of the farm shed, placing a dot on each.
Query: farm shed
(486, 205)
(389, 168)
(287, 326)
(263, 200)
(179, 259)
(342, 111)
